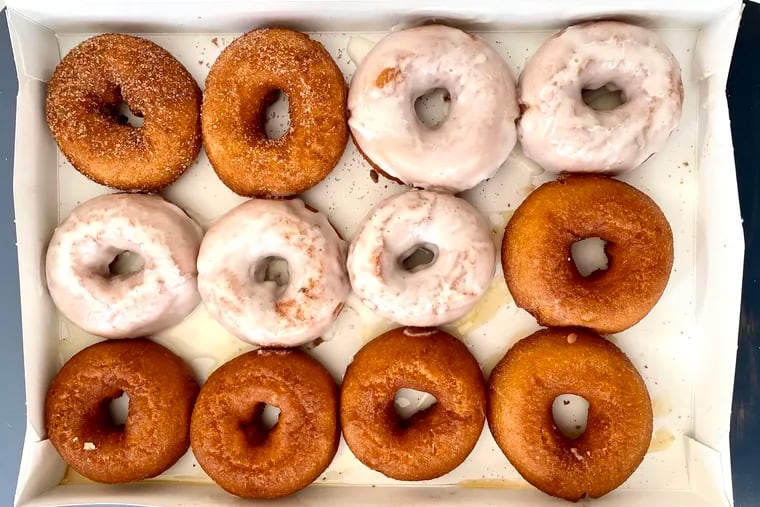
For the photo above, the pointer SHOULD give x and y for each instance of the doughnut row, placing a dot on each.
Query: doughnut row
(248, 457)
(233, 269)
(276, 273)
(95, 80)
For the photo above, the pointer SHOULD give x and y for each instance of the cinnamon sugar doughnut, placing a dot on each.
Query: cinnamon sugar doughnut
(537, 259)
(241, 455)
(241, 85)
(161, 391)
(83, 97)
(557, 361)
(431, 442)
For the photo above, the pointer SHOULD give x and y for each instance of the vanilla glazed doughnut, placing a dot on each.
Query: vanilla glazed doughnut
(432, 294)
(479, 131)
(232, 272)
(562, 134)
(157, 296)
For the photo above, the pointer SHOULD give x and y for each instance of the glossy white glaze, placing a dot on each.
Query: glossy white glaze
(562, 134)
(235, 290)
(157, 296)
(444, 289)
(479, 131)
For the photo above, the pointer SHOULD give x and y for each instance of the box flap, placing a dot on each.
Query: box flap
(37, 57)
(706, 474)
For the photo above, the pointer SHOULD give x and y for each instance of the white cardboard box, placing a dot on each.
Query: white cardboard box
(685, 349)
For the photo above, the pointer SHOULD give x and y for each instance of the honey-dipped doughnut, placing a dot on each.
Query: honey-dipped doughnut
(431, 442)
(231, 442)
(556, 361)
(161, 390)
(537, 258)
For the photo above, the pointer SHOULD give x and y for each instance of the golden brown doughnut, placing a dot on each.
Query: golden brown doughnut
(556, 361)
(238, 452)
(82, 111)
(540, 272)
(432, 442)
(241, 85)
(161, 391)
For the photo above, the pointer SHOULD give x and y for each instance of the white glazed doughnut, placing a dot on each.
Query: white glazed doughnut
(438, 292)
(273, 309)
(155, 297)
(479, 131)
(562, 134)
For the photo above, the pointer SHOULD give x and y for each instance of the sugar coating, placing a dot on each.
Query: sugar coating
(87, 87)
(239, 88)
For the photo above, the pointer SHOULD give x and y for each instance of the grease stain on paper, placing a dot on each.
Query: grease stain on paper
(662, 439)
(661, 407)
(496, 296)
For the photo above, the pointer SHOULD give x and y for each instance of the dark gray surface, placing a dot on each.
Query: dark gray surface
(743, 93)
(744, 103)
(12, 407)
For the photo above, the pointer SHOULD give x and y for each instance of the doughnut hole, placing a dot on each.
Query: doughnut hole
(277, 115)
(272, 269)
(125, 264)
(604, 98)
(410, 404)
(262, 421)
(570, 414)
(120, 112)
(118, 409)
(432, 107)
(129, 117)
(589, 256)
(418, 257)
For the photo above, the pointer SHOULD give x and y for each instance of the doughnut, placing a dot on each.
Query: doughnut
(243, 83)
(83, 100)
(236, 449)
(562, 134)
(441, 291)
(161, 391)
(544, 280)
(431, 442)
(234, 272)
(557, 361)
(160, 294)
(477, 135)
